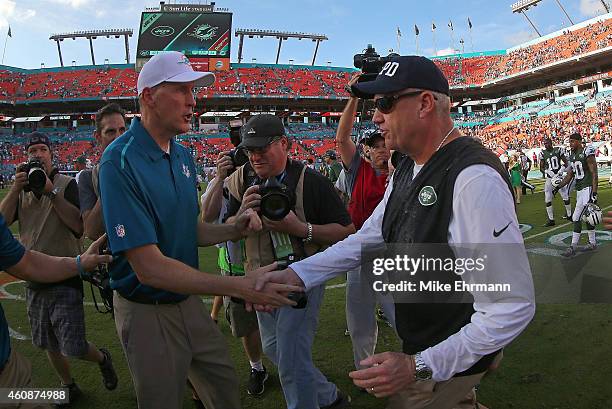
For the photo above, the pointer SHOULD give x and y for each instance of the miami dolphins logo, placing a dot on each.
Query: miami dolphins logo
(204, 32)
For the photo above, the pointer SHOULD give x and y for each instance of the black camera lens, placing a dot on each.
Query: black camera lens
(37, 179)
(275, 206)
(276, 200)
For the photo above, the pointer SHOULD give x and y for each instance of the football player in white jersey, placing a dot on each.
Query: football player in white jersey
(553, 164)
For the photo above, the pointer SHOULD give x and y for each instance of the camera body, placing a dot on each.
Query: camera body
(370, 63)
(100, 278)
(37, 177)
(238, 156)
(277, 199)
(300, 298)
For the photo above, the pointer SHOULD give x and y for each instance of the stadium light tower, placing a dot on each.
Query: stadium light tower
(524, 5)
(280, 36)
(563, 9)
(92, 35)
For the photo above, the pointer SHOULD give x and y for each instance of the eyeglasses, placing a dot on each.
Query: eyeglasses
(385, 104)
(262, 151)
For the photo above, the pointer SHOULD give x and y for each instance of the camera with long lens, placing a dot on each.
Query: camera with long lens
(370, 63)
(277, 200)
(100, 278)
(37, 177)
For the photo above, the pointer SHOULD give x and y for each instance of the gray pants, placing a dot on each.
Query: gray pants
(165, 344)
(360, 314)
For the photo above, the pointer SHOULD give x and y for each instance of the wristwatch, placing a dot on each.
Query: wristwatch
(308, 237)
(51, 195)
(422, 371)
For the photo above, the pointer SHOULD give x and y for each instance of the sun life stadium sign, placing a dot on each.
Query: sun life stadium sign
(187, 8)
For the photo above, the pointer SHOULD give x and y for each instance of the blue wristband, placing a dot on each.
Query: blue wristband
(79, 266)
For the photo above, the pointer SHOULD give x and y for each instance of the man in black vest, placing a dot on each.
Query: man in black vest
(447, 190)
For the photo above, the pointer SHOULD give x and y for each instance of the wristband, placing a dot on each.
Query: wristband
(79, 266)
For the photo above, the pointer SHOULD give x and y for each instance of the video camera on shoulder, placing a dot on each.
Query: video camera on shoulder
(370, 63)
(37, 177)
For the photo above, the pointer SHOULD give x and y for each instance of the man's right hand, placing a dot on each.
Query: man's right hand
(266, 295)
(250, 200)
(92, 257)
(224, 165)
(21, 180)
(267, 275)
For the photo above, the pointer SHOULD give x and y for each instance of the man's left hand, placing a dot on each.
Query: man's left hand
(247, 222)
(290, 225)
(389, 373)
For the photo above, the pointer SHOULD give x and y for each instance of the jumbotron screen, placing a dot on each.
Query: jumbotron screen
(193, 34)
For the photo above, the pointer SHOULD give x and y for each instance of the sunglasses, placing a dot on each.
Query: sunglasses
(262, 151)
(385, 104)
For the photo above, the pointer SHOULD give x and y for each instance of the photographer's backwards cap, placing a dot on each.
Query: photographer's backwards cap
(260, 130)
(403, 72)
(369, 136)
(171, 66)
(36, 137)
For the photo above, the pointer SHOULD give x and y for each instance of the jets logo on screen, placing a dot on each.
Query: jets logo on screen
(204, 32)
(162, 31)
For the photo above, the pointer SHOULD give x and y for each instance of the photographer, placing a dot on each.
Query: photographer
(110, 123)
(366, 179)
(46, 204)
(29, 265)
(308, 216)
(242, 322)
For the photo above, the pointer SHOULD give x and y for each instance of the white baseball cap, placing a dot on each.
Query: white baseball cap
(171, 66)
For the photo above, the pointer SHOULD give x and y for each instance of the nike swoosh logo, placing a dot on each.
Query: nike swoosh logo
(497, 233)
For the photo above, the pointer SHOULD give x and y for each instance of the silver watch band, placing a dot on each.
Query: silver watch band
(422, 372)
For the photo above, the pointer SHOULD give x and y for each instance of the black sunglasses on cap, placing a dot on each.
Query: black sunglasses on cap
(385, 104)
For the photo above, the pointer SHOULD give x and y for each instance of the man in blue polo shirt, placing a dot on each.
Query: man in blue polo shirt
(29, 265)
(150, 205)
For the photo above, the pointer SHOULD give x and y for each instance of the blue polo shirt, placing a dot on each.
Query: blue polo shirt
(148, 197)
(11, 252)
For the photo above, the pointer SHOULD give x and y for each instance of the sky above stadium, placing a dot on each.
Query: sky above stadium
(350, 26)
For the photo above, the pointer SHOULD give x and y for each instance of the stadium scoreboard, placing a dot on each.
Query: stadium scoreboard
(204, 37)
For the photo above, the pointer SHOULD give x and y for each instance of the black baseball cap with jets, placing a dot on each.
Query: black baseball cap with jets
(410, 71)
(260, 131)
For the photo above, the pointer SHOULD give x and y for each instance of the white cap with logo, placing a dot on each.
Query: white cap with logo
(171, 66)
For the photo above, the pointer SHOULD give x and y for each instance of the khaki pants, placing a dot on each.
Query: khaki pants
(456, 393)
(17, 373)
(166, 344)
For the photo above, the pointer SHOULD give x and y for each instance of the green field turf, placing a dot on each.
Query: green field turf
(562, 360)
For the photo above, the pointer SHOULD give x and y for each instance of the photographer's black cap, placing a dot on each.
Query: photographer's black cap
(330, 154)
(411, 71)
(260, 130)
(576, 136)
(36, 137)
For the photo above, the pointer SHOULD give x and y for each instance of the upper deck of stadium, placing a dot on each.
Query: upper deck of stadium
(581, 50)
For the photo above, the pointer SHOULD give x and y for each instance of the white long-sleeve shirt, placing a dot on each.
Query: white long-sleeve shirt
(482, 204)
